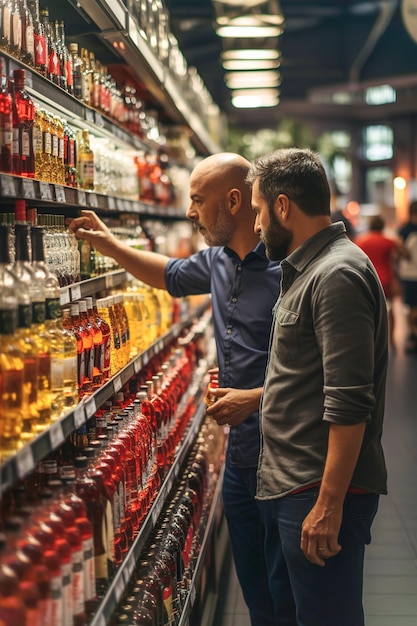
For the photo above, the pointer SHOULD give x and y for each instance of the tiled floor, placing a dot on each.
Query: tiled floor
(390, 583)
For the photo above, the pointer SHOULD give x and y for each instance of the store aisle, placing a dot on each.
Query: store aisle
(390, 584)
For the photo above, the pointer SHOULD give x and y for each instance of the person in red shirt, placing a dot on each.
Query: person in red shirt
(383, 252)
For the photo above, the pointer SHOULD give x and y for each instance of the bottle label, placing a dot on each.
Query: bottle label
(56, 617)
(54, 145)
(30, 40)
(47, 142)
(89, 571)
(37, 140)
(38, 312)
(8, 321)
(68, 72)
(86, 170)
(52, 310)
(66, 571)
(77, 583)
(109, 537)
(61, 149)
(71, 152)
(70, 368)
(40, 50)
(24, 315)
(57, 372)
(116, 340)
(6, 133)
(25, 143)
(54, 68)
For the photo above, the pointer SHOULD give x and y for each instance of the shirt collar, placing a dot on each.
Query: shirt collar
(301, 257)
(259, 250)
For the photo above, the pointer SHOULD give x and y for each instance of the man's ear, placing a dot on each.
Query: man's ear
(234, 197)
(282, 207)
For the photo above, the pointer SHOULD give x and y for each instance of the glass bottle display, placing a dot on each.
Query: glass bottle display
(6, 122)
(23, 118)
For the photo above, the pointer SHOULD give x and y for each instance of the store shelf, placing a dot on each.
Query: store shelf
(91, 286)
(25, 460)
(64, 199)
(120, 581)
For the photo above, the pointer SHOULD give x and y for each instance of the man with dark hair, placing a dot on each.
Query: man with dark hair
(244, 286)
(321, 466)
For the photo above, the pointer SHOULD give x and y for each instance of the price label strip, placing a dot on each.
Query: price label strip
(45, 191)
(24, 461)
(60, 194)
(56, 435)
(79, 416)
(28, 188)
(8, 186)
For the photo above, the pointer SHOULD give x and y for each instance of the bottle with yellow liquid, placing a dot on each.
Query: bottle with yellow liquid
(106, 312)
(45, 169)
(11, 360)
(85, 161)
(37, 142)
(134, 315)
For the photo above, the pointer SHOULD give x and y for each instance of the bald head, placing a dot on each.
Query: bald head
(225, 170)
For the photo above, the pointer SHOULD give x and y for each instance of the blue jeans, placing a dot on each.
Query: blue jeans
(323, 596)
(247, 541)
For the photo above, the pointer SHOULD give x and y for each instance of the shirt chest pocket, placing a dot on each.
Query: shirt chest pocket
(287, 334)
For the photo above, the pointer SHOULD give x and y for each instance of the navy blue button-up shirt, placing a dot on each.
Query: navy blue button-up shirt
(243, 295)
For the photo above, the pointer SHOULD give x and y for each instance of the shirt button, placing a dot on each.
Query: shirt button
(234, 299)
(239, 267)
(229, 330)
(227, 362)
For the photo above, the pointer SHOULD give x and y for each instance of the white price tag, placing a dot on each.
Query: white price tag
(145, 358)
(75, 292)
(28, 188)
(192, 595)
(118, 589)
(79, 416)
(8, 186)
(24, 461)
(60, 194)
(45, 191)
(109, 280)
(92, 200)
(89, 116)
(64, 296)
(117, 384)
(137, 364)
(82, 199)
(99, 120)
(56, 435)
(90, 407)
(111, 203)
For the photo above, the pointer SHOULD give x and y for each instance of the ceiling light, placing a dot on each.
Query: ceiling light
(252, 79)
(255, 19)
(248, 31)
(251, 53)
(255, 99)
(250, 64)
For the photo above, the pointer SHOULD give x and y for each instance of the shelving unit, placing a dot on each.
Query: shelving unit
(107, 27)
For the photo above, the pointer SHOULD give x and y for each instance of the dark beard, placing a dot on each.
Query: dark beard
(277, 240)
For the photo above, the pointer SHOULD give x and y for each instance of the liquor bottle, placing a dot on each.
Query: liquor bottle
(77, 77)
(6, 122)
(25, 340)
(90, 487)
(73, 535)
(11, 363)
(85, 161)
(93, 372)
(37, 141)
(67, 474)
(80, 366)
(63, 56)
(28, 35)
(87, 76)
(86, 358)
(15, 45)
(23, 117)
(103, 325)
(40, 45)
(60, 165)
(121, 315)
(5, 13)
(53, 71)
(107, 313)
(69, 156)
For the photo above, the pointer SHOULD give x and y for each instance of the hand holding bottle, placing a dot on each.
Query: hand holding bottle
(91, 228)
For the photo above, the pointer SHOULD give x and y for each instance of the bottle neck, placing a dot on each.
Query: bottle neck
(21, 242)
(4, 244)
(38, 253)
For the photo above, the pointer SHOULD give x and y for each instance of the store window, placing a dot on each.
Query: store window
(378, 143)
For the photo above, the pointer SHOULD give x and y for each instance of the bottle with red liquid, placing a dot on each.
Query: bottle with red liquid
(23, 120)
(91, 488)
(88, 321)
(86, 355)
(6, 122)
(12, 608)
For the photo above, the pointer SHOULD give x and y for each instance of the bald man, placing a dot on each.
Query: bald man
(244, 286)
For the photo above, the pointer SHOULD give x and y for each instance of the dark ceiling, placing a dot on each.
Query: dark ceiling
(326, 43)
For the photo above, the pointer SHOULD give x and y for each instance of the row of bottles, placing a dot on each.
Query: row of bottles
(161, 582)
(68, 526)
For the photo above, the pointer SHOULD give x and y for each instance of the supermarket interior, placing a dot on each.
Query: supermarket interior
(135, 322)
